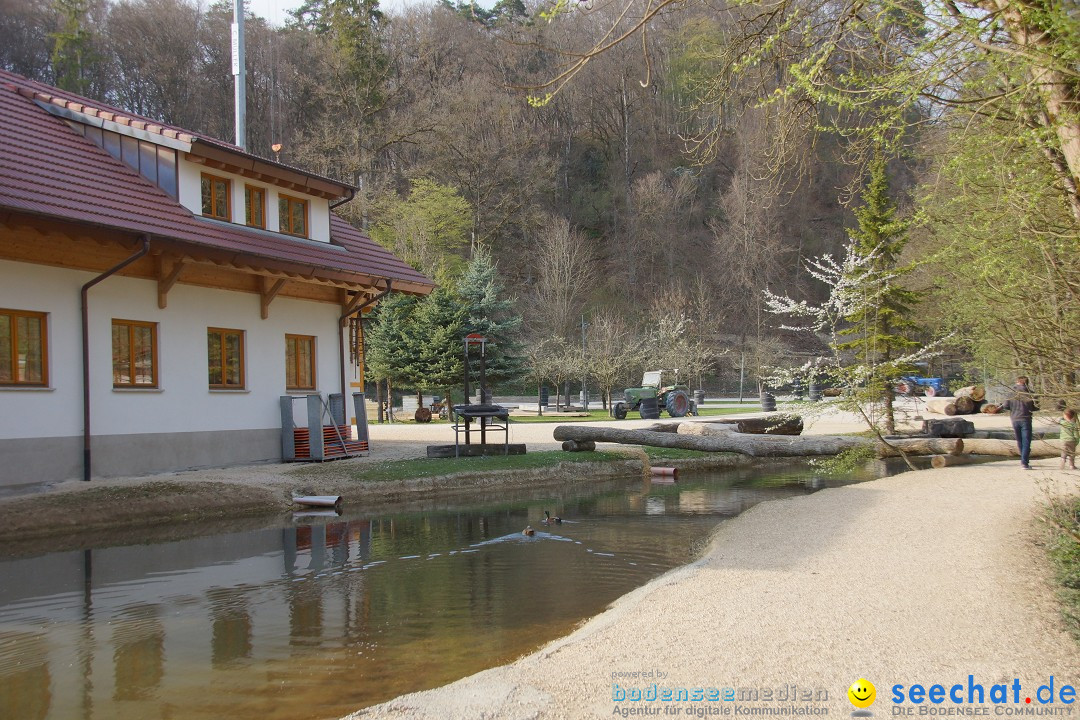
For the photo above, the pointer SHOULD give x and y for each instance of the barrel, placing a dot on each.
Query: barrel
(649, 409)
(699, 397)
(815, 391)
(768, 401)
(544, 396)
(797, 389)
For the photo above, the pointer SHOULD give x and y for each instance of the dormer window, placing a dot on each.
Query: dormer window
(255, 206)
(215, 197)
(293, 216)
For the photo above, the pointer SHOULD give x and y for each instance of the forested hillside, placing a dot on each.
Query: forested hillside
(673, 178)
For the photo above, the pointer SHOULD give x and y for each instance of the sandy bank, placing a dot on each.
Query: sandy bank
(924, 577)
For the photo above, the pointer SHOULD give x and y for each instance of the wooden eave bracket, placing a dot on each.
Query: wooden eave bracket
(349, 305)
(166, 281)
(270, 289)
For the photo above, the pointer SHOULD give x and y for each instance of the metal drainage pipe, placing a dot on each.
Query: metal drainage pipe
(86, 347)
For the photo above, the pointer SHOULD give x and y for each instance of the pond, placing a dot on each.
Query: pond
(321, 615)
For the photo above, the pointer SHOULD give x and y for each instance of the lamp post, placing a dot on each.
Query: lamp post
(584, 392)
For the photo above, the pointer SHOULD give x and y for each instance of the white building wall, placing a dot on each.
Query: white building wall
(190, 196)
(183, 401)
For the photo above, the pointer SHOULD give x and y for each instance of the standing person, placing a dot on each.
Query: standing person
(1020, 406)
(1070, 436)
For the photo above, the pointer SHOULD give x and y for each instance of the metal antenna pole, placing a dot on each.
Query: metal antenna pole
(238, 70)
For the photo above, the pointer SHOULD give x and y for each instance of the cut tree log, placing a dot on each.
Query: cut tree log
(1007, 448)
(776, 425)
(920, 446)
(941, 405)
(989, 409)
(964, 405)
(1008, 435)
(975, 392)
(780, 425)
(579, 446)
(752, 445)
(942, 461)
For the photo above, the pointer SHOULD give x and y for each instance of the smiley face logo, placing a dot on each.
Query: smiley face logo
(862, 693)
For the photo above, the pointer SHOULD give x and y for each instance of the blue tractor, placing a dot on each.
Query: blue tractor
(915, 385)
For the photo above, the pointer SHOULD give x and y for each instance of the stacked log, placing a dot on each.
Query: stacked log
(959, 405)
(975, 392)
(942, 405)
(964, 405)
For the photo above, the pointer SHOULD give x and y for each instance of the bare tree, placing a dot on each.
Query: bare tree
(564, 276)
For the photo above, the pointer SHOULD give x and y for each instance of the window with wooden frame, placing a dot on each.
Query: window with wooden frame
(299, 362)
(225, 358)
(292, 215)
(24, 348)
(134, 354)
(216, 192)
(255, 206)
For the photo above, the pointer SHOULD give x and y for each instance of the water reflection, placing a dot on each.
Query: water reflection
(317, 619)
(24, 676)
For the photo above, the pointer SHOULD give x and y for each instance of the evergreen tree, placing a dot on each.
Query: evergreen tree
(71, 46)
(391, 345)
(440, 320)
(491, 314)
(880, 330)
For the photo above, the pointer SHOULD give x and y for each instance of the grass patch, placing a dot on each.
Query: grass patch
(1064, 516)
(400, 470)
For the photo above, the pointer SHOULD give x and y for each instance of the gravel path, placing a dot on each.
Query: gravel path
(924, 577)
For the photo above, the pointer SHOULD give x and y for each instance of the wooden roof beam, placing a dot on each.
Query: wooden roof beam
(167, 280)
(270, 290)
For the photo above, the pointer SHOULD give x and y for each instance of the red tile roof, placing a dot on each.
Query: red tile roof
(48, 169)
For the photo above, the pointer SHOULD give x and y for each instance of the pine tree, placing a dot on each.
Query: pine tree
(440, 320)
(71, 51)
(391, 345)
(880, 329)
(491, 314)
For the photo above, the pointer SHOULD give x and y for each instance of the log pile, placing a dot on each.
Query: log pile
(966, 401)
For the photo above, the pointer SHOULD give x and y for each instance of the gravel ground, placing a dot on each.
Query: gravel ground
(925, 577)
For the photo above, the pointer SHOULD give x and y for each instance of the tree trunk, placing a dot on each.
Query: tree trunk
(964, 405)
(389, 402)
(539, 400)
(379, 399)
(752, 445)
(942, 461)
(1060, 105)
(1007, 448)
(975, 392)
(943, 406)
(922, 446)
(783, 425)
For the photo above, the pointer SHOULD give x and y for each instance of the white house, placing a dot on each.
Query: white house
(161, 290)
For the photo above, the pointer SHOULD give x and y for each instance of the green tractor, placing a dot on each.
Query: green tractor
(652, 398)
